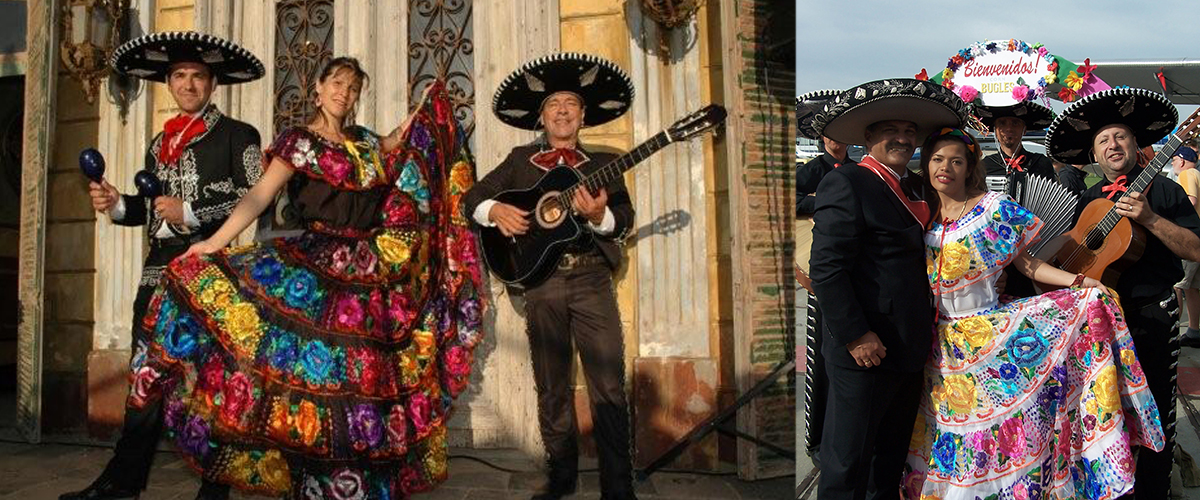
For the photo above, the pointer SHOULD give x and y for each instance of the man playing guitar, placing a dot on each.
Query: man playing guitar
(1108, 128)
(558, 95)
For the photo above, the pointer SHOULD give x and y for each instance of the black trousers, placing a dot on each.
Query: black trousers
(869, 421)
(1157, 344)
(578, 307)
(143, 427)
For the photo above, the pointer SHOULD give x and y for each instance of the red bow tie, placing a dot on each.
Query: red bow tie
(177, 133)
(1119, 185)
(1015, 163)
(558, 156)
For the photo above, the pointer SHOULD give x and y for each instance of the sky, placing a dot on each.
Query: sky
(843, 43)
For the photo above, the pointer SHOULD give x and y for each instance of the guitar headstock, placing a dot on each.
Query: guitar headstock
(696, 123)
(1188, 128)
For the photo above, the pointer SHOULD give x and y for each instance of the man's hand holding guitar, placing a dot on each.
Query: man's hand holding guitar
(509, 220)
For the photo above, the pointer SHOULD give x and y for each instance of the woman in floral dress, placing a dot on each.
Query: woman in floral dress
(1041, 397)
(324, 365)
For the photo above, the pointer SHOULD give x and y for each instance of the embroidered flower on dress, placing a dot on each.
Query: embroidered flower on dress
(181, 337)
(1012, 437)
(316, 362)
(364, 426)
(347, 484)
(392, 250)
(238, 396)
(397, 429)
(348, 313)
(267, 271)
(955, 260)
(961, 395)
(301, 289)
(418, 412)
(308, 423)
(193, 439)
(1026, 347)
(1106, 390)
(273, 470)
(944, 452)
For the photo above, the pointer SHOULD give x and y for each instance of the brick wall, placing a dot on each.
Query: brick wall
(762, 207)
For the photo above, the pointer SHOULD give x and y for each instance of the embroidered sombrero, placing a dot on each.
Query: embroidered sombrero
(807, 107)
(605, 89)
(1149, 114)
(150, 56)
(929, 105)
(1035, 115)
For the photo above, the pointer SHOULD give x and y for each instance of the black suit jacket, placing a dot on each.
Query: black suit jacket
(216, 169)
(808, 177)
(868, 270)
(517, 172)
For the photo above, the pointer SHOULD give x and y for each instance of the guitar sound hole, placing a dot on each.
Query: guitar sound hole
(549, 212)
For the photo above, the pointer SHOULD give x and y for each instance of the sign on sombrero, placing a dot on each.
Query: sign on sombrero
(604, 88)
(807, 107)
(1149, 114)
(1035, 115)
(930, 106)
(151, 56)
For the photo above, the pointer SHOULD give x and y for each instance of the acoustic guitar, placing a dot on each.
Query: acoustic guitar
(1103, 244)
(527, 259)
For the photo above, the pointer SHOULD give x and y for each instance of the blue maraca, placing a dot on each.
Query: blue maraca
(147, 184)
(91, 162)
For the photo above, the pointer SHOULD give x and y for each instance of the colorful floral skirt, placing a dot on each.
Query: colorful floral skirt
(317, 366)
(1039, 398)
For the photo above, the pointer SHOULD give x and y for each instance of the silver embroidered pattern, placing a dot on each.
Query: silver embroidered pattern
(1127, 106)
(589, 77)
(534, 83)
(151, 275)
(252, 162)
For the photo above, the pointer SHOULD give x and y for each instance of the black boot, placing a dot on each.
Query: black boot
(561, 479)
(212, 491)
(555, 490)
(103, 488)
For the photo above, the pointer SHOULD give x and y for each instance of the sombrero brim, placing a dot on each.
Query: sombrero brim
(605, 89)
(1035, 116)
(928, 105)
(807, 107)
(151, 56)
(1149, 114)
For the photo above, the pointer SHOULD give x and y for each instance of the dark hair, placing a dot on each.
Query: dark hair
(333, 67)
(976, 175)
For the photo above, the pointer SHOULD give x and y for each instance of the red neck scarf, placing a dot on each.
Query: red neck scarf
(918, 208)
(1015, 163)
(551, 158)
(177, 133)
(1119, 186)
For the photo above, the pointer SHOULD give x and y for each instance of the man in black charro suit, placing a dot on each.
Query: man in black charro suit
(868, 273)
(576, 304)
(206, 162)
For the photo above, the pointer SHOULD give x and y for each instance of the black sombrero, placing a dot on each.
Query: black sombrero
(605, 89)
(807, 107)
(150, 57)
(1149, 114)
(1035, 116)
(927, 104)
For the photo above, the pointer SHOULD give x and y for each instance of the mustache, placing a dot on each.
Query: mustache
(898, 145)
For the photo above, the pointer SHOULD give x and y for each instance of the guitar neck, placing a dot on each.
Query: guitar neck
(615, 168)
(1139, 184)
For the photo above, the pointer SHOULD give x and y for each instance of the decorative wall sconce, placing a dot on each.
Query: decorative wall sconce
(89, 32)
(671, 14)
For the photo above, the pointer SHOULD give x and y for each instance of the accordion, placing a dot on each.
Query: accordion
(1054, 204)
